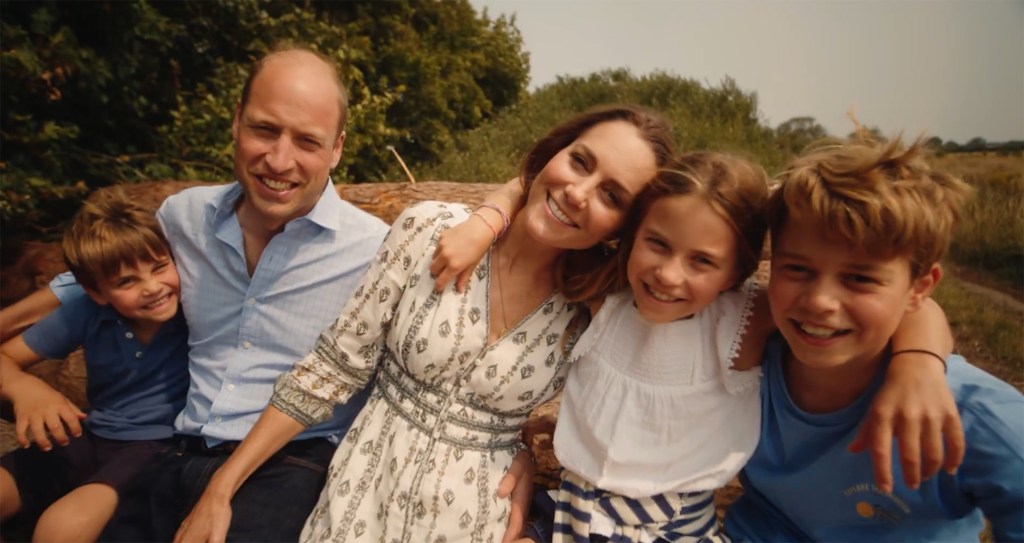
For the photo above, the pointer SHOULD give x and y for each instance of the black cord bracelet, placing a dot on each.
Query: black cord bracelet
(945, 369)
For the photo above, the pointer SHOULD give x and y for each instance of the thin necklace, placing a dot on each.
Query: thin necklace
(501, 295)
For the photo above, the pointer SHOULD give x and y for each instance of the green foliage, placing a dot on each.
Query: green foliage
(722, 117)
(97, 93)
(975, 144)
(797, 133)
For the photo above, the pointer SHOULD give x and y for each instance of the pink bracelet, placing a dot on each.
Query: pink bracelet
(501, 212)
(489, 227)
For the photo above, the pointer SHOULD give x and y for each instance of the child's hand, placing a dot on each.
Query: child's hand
(916, 406)
(517, 483)
(458, 252)
(40, 409)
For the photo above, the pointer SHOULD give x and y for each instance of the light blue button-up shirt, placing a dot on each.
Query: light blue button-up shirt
(244, 332)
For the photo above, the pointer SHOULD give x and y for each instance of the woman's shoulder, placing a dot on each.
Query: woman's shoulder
(435, 210)
(427, 218)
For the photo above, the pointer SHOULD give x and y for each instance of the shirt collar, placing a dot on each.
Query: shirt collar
(327, 213)
(108, 313)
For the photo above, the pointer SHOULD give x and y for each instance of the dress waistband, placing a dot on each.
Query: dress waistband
(445, 413)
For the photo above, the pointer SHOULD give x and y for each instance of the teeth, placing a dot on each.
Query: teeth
(158, 302)
(275, 185)
(818, 331)
(557, 212)
(660, 297)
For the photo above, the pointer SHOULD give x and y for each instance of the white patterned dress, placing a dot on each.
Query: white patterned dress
(423, 459)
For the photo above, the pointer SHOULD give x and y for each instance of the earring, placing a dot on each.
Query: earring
(610, 246)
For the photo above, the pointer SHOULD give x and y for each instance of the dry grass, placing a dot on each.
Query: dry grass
(989, 241)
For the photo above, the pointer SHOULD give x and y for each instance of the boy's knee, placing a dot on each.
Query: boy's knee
(10, 498)
(79, 516)
(59, 525)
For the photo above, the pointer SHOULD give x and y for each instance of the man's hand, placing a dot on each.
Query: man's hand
(517, 483)
(916, 406)
(208, 521)
(40, 409)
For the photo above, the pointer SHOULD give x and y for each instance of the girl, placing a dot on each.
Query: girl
(454, 375)
(657, 412)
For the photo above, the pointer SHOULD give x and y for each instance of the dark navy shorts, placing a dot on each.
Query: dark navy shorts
(44, 477)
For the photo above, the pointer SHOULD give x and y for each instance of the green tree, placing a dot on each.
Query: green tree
(976, 144)
(951, 146)
(105, 92)
(797, 133)
(721, 117)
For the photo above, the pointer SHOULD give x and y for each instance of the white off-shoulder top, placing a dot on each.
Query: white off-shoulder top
(654, 408)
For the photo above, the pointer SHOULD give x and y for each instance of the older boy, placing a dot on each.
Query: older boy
(136, 355)
(857, 234)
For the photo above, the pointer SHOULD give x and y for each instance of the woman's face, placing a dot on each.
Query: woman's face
(583, 194)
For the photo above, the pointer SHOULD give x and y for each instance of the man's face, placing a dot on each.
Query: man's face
(286, 139)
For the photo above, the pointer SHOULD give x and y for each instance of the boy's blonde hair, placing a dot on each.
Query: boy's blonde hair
(108, 232)
(882, 198)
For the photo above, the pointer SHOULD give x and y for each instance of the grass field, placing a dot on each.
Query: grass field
(989, 241)
(988, 249)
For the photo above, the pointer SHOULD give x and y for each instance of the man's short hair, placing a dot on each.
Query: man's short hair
(882, 198)
(257, 67)
(110, 231)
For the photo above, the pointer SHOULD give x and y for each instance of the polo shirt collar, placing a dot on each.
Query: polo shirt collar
(108, 313)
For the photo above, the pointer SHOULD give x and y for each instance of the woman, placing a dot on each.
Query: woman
(456, 373)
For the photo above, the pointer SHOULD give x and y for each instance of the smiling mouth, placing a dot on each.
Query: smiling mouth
(559, 214)
(661, 297)
(274, 185)
(820, 332)
(158, 302)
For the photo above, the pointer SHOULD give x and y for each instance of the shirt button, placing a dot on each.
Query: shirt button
(231, 387)
(129, 335)
(138, 354)
(251, 301)
(247, 345)
(219, 419)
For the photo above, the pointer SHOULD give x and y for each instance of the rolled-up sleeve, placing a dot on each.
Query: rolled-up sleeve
(347, 353)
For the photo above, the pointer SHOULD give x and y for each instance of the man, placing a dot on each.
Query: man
(266, 263)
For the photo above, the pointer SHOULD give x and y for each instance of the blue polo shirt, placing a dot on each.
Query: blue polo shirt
(134, 391)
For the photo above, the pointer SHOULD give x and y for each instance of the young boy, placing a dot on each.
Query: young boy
(857, 233)
(136, 352)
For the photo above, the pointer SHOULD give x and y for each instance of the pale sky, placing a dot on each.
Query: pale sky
(951, 68)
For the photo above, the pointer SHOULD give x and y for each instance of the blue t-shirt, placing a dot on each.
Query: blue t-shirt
(134, 391)
(803, 485)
